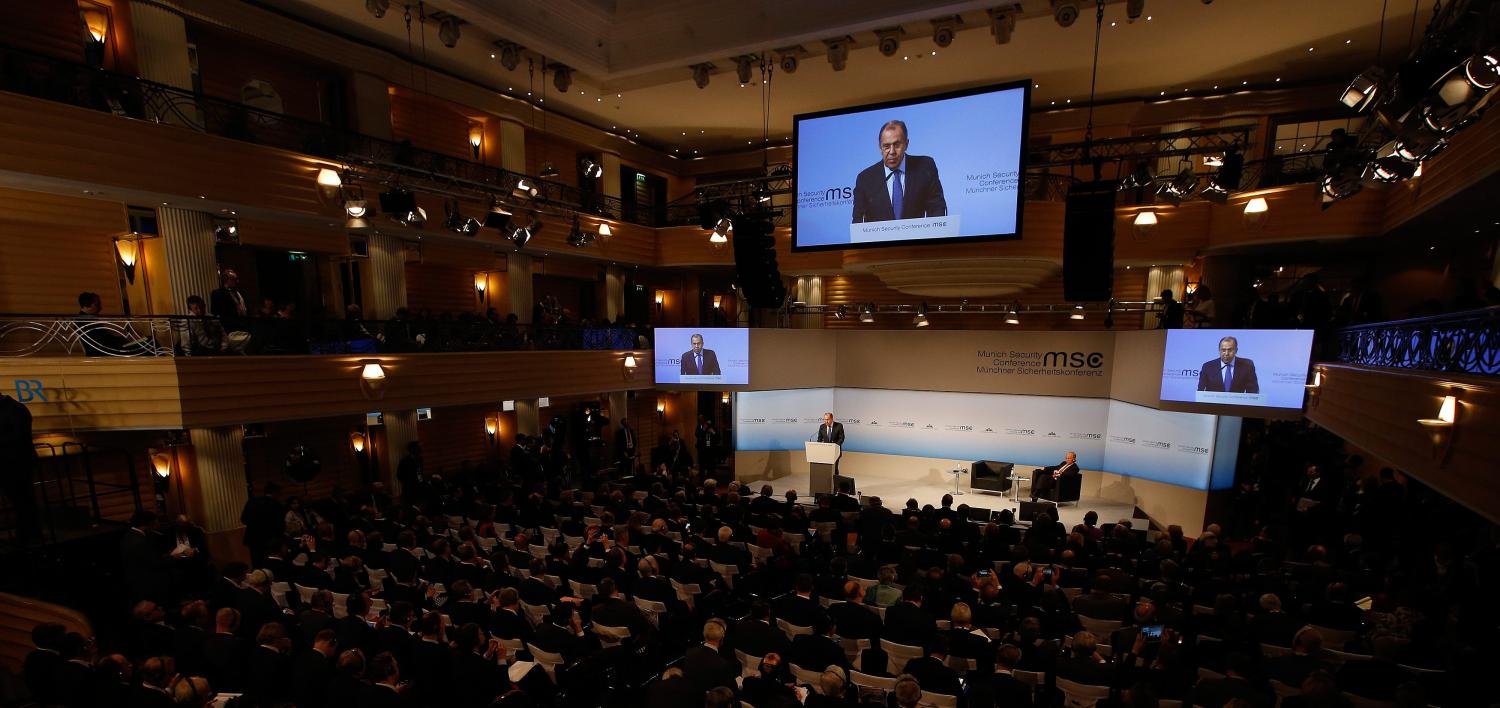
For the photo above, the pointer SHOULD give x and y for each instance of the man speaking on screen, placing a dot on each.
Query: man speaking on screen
(1228, 373)
(699, 361)
(900, 186)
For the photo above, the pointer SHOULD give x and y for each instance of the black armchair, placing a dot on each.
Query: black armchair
(990, 476)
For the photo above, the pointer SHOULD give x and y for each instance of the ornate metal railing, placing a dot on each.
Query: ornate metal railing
(136, 337)
(1467, 342)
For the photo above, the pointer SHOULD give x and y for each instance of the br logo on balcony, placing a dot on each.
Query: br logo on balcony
(28, 390)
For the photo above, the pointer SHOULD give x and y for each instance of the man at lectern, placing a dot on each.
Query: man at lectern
(1044, 480)
(832, 432)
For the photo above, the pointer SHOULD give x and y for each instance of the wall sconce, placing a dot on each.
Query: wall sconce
(605, 231)
(1314, 389)
(661, 410)
(476, 138)
(1441, 428)
(357, 441)
(330, 184)
(661, 299)
(481, 284)
(718, 301)
(491, 428)
(161, 464)
(96, 32)
(724, 398)
(630, 366)
(371, 379)
(1255, 210)
(129, 251)
(1145, 222)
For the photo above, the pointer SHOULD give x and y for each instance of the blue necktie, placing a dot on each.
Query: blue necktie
(1228, 375)
(897, 196)
(699, 358)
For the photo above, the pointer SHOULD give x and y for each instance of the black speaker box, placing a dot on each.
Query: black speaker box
(1089, 242)
(1029, 509)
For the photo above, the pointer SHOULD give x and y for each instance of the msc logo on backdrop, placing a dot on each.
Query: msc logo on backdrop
(1073, 360)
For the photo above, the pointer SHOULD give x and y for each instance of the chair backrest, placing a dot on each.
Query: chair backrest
(1359, 701)
(19, 615)
(811, 678)
(1341, 657)
(1207, 674)
(536, 614)
(512, 647)
(1336, 638)
(547, 659)
(748, 663)
(1168, 703)
(792, 630)
(1080, 695)
(1101, 628)
(961, 664)
(611, 636)
(897, 655)
(1270, 651)
(304, 592)
(340, 605)
(583, 590)
(938, 700)
(879, 683)
(1283, 690)
(864, 583)
(279, 591)
(1030, 678)
(652, 609)
(853, 648)
(552, 581)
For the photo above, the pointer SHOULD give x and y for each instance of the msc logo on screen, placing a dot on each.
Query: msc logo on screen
(1073, 360)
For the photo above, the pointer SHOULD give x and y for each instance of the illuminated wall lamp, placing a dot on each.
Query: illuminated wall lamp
(630, 366)
(1145, 223)
(661, 300)
(357, 441)
(491, 428)
(330, 184)
(161, 463)
(1255, 210)
(129, 251)
(661, 410)
(481, 283)
(724, 398)
(605, 231)
(718, 301)
(1440, 429)
(476, 138)
(1314, 389)
(372, 379)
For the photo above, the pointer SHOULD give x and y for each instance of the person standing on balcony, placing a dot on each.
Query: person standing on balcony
(228, 304)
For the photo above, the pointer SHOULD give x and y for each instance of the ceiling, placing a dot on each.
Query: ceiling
(632, 58)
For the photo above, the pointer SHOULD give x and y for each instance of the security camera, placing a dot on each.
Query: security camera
(789, 63)
(562, 77)
(743, 65)
(377, 7)
(1134, 9)
(890, 41)
(1065, 12)
(448, 31)
(510, 55)
(943, 32)
(701, 73)
(1002, 24)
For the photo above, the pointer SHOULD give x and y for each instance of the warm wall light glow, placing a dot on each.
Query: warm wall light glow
(129, 249)
(329, 178)
(491, 426)
(1317, 380)
(661, 407)
(1257, 205)
(1447, 414)
(1077, 313)
(1145, 218)
(630, 361)
(660, 298)
(357, 441)
(96, 20)
(372, 371)
(724, 398)
(476, 135)
(718, 301)
(605, 231)
(162, 463)
(481, 281)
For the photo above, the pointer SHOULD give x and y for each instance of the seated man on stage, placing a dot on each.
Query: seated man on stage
(1044, 480)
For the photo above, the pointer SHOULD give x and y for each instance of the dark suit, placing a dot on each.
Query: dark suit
(922, 192)
(710, 363)
(1001, 690)
(1211, 377)
(905, 623)
(933, 676)
(269, 676)
(1043, 483)
(146, 568)
(836, 436)
(816, 652)
(706, 669)
(854, 621)
(798, 610)
(311, 672)
(224, 656)
(758, 638)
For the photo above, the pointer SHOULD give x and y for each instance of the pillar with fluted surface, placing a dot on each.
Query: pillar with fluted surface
(215, 491)
(809, 291)
(528, 420)
(161, 45)
(192, 268)
(400, 431)
(1161, 278)
(387, 277)
(518, 286)
(512, 145)
(610, 181)
(614, 292)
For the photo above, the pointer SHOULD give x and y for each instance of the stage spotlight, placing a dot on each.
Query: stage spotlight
(1140, 177)
(921, 319)
(562, 77)
(377, 7)
(1216, 193)
(1002, 24)
(357, 208)
(789, 63)
(1338, 188)
(549, 171)
(867, 313)
(944, 30)
(521, 234)
(525, 188)
(448, 31)
(456, 221)
(838, 52)
(1391, 168)
(1065, 12)
(590, 169)
(577, 237)
(510, 55)
(1013, 315)
(721, 231)
(1186, 182)
(498, 218)
(743, 65)
(701, 72)
(1363, 89)
(889, 41)
(1483, 70)
(402, 206)
(1417, 145)
(1134, 9)
(1454, 88)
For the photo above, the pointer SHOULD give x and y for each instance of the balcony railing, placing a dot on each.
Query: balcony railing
(168, 336)
(1461, 342)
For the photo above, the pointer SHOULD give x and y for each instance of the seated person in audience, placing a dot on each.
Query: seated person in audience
(156, 684)
(1236, 685)
(508, 621)
(799, 608)
(852, 619)
(931, 670)
(386, 689)
(704, 666)
(563, 634)
(313, 669)
(831, 691)
(907, 692)
(1293, 668)
(757, 634)
(1377, 677)
(611, 609)
(204, 337)
(962, 637)
(769, 685)
(268, 668)
(1272, 625)
(1001, 688)
(1084, 664)
(819, 650)
(886, 593)
(907, 622)
(1099, 602)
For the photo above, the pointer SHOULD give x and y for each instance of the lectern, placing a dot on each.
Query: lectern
(820, 460)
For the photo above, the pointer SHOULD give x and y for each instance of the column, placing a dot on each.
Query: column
(512, 145)
(400, 431)
(528, 422)
(192, 267)
(619, 409)
(1161, 278)
(387, 287)
(809, 290)
(614, 292)
(610, 182)
(161, 45)
(518, 285)
(372, 105)
(214, 489)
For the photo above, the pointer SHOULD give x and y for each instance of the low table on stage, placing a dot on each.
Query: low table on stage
(821, 458)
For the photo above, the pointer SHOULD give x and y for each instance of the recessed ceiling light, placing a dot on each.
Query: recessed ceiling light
(1216, 87)
(1278, 79)
(1148, 18)
(1163, 93)
(598, 100)
(905, 58)
(1036, 86)
(1244, 83)
(1114, 24)
(492, 56)
(1348, 41)
(1054, 103)
(1309, 49)
(1068, 101)
(934, 52)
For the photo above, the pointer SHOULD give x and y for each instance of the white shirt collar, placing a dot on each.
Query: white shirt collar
(901, 167)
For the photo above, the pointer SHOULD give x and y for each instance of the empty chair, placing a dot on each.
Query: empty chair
(1079, 695)
(897, 655)
(792, 630)
(938, 700)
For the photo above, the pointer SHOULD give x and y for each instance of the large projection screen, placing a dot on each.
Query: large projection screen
(952, 163)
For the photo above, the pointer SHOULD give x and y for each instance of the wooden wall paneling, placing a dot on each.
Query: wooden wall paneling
(442, 288)
(430, 124)
(328, 438)
(97, 392)
(49, 27)
(679, 246)
(227, 60)
(456, 434)
(294, 236)
(109, 460)
(93, 147)
(542, 148)
(856, 289)
(1296, 213)
(1377, 410)
(36, 230)
(232, 390)
(1472, 155)
(564, 267)
(1179, 234)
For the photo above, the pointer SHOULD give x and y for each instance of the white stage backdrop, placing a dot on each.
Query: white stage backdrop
(1175, 448)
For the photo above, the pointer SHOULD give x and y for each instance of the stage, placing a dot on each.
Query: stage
(895, 479)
